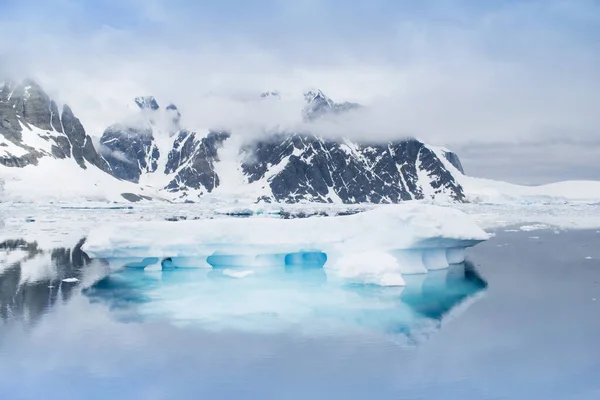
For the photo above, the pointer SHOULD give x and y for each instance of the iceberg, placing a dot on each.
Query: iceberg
(378, 246)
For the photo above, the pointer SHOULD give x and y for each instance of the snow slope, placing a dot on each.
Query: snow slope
(59, 180)
(486, 190)
(481, 190)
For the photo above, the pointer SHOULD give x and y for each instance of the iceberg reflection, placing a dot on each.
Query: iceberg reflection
(294, 294)
(298, 297)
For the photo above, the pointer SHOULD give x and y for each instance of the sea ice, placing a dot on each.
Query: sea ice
(377, 246)
(535, 227)
(392, 227)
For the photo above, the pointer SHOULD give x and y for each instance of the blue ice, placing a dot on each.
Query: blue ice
(299, 297)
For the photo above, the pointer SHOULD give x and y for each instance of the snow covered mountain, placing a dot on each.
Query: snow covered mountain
(301, 167)
(32, 127)
(319, 105)
(288, 167)
(151, 155)
(154, 150)
(47, 155)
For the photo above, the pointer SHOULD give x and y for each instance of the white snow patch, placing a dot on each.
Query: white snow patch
(424, 179)
(480, 190)
(37, 138)
(8, 148)
(63, 180)
(536, 227)
(386, 228)
(376, 268)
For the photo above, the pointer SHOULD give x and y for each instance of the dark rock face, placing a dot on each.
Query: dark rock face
(82, 146)
(146, 103)
(315, 169)
(455, 161)
(303, 167)
(11, 112)
(36, 106)
(134, 198)
(26, 105)
(55, 117)
(129, 151)
(194, 160)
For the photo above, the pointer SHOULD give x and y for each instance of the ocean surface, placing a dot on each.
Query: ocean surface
(519, 320)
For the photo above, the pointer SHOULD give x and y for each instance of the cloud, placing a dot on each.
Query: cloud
(454, 73)
(116, 154)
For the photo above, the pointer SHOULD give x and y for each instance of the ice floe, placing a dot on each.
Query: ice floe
(375, 246)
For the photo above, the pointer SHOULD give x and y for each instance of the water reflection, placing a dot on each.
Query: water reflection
(282, 299)
(271, 299)
(31, 279)
(435, 294)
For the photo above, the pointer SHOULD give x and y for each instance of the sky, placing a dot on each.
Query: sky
(512, 86)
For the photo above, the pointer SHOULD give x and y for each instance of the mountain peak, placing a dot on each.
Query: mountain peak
(146, 103)
(317, 95)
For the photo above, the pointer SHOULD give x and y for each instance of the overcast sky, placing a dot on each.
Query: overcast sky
(512, 86)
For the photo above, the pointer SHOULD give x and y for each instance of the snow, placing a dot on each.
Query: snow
(535, 227)
(37, 138)
(64, 223)
(488, 191)
(378, 268)
(232, 180)
(424, 179)
(485, 190)
(8, 148)
(562, 215)
(63, 180)
(390, 227)
(376, 246)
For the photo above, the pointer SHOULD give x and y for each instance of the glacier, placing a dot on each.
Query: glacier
(377, 246)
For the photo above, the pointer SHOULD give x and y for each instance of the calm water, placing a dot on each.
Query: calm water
(519, 321)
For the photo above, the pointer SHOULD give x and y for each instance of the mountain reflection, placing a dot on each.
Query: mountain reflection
(31, 279)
